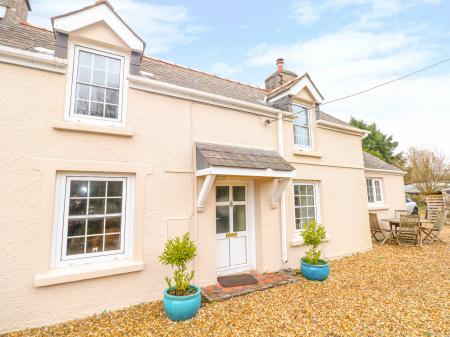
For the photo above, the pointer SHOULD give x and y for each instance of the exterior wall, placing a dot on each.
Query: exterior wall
(393, 190)
(160, 151)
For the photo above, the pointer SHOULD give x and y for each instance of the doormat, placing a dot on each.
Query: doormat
(236, 280)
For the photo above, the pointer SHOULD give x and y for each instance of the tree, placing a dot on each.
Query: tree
(379, 144)
(428, 169)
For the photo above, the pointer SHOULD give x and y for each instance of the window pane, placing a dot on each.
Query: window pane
(239, 223)
(112, 242)
(100, 62)
(82, 91)
(112, 96)
(114, 188)
(94, 244)
(84, 74)
(113, 65)
(111, 111)
(97, 189)
(96, 206)
(114, 205)
(97, 94)
(99, 77)
(222, 219)
(96, 109)
(85, 59)
(77, 206)
(76, 227)
(113, 80)
(238, 193)
(78, 188)
(75, 246)
(302, 189)
(222, 193)
(95, 226)
(113, 224)
(81, 107)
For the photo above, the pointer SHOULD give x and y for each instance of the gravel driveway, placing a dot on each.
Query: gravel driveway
(389, 291)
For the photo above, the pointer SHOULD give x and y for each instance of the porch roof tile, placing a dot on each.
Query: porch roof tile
(209, 154)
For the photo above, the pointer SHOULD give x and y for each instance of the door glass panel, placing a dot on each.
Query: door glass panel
(239, 224)
(222, 219)
(238, 193)
(222, 193)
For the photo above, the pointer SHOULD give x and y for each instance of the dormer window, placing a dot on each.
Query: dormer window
(97, 86)
(302, 126)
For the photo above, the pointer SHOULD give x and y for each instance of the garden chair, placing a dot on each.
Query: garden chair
(408, 229)
(432, 233)
(377, 228)
(398, 212)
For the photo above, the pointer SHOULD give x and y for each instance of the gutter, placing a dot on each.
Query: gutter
(32, 59)
(350, 129)
(284, 257)
(164, 88)
(400, 173)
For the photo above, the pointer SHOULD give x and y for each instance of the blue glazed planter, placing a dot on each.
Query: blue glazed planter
(181, 308)
(315, 272)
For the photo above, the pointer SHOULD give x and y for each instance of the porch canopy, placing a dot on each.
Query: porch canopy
(218, 159)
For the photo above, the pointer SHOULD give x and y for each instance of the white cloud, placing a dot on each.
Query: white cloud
(223, 69)
(354, 58)
(161, 26)
(305, 12)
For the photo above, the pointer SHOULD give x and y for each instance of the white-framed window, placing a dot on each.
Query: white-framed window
(97, 86)
(302, 126)
(374, 191)
(305, 204)
(93, 221)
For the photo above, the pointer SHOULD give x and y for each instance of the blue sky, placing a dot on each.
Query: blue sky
(345, 45)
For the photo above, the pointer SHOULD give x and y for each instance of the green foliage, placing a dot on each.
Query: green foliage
(313, 235)
(379, 144)
(178, 252)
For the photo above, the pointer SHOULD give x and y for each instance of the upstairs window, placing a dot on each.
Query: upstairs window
(302, 132)
(374, 192)
(97, 86)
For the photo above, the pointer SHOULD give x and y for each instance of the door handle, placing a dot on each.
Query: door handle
(231, 235)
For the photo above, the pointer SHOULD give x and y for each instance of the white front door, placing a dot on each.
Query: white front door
(232, 232)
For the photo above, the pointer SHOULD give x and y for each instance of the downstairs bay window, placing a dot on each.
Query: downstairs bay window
(94, 218)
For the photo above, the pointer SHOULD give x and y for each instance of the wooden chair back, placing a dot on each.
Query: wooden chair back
(409, 223)
(373, 219)
(439, 223)
(399, 212)
(435, 204)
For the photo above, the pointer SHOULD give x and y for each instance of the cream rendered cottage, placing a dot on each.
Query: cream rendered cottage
(106, 153)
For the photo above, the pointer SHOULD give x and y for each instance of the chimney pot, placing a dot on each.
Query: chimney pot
(280, 62)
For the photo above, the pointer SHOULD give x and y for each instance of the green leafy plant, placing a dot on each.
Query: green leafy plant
(178, 252)
(313, 235)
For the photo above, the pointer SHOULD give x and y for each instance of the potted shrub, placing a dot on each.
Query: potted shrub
(181, 298)
(312, 266)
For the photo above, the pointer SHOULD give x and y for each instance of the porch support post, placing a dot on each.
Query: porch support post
(204, 191)
(281, 186)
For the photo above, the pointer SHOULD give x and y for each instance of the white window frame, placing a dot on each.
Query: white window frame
(308, 112)
(62, 196)
(376, 202)
(70, 114)
(315, 186)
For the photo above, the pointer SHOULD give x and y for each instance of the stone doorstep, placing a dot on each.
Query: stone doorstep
(216, 293)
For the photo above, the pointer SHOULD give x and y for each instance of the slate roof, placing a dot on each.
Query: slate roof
(27, 37)
(326, 117)
(241, 157)
(372, 162)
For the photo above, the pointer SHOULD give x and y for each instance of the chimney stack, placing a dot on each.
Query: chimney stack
(280, 77)
(16, 10)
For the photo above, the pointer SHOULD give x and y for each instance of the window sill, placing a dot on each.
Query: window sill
(307, 153)
(378, 207)
(85, 272)
(298, 241)
(80, 127)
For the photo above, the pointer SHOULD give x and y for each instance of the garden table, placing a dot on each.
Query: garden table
(395, 223)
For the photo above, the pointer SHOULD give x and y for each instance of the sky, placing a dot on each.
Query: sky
(344, 45)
